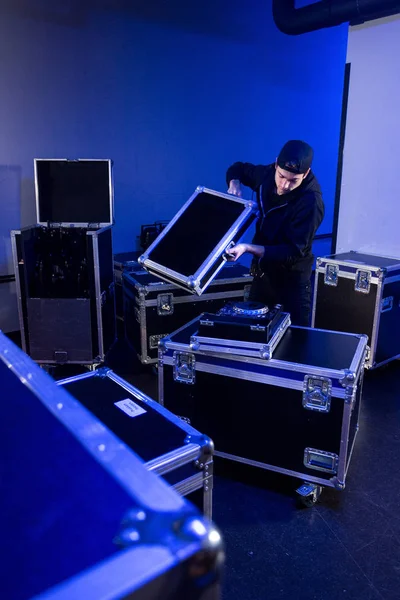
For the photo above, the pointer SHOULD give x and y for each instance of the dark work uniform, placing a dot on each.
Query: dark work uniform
(286, 228)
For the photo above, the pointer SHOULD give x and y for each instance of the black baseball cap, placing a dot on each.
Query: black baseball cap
(296, 156)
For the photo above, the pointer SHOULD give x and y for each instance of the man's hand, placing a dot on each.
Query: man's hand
(235, 188)
(236, 251)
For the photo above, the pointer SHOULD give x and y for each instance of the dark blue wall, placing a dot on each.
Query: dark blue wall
(172, 91)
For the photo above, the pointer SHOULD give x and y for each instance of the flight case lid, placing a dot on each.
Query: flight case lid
(74, 193)
(191, 250)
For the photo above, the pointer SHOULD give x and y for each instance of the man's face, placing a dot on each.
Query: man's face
(286, 181)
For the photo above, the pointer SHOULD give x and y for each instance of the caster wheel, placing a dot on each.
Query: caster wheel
(308, 494)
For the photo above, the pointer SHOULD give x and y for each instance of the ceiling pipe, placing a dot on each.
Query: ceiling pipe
(328, 13)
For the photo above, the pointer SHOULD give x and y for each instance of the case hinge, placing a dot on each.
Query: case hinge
(331, 276)
(363, 281)
(184, 367)
(321, 460)
(367, 354)
(165, 304)
(317, 393)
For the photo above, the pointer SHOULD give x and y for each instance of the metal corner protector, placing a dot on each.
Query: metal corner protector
(206, 446)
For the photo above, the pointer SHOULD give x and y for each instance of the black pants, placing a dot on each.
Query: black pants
(293, 292)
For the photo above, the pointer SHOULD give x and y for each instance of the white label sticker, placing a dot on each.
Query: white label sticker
(130, 407)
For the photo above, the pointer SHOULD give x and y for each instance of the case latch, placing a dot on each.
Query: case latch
(321, 460)
(331, 275)
(363, 281)
(154, 339)
(257, 327)
(207, 322)
(317, 392)
(184, 367)
(387, 304)
(165, 304)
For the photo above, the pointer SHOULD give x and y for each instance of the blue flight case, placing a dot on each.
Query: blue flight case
(82, 518)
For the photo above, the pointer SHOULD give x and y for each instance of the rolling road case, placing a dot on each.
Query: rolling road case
(296, 413)
(360, 293)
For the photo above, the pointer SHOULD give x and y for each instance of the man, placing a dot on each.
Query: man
(291, 210)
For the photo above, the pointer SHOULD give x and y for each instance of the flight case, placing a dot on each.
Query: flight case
(153, 308)
(191, 250)
(82, 517)
(296, 413)
(360, 293)
(64, 264)
(168, 445)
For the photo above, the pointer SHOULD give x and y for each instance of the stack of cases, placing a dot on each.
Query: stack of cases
(154, 308)
(360, 293)
(168, 445)
(64, 264)
(252, 337)
(296, 413)
(82, 515)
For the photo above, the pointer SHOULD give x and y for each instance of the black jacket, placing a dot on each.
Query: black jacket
(287, 223)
